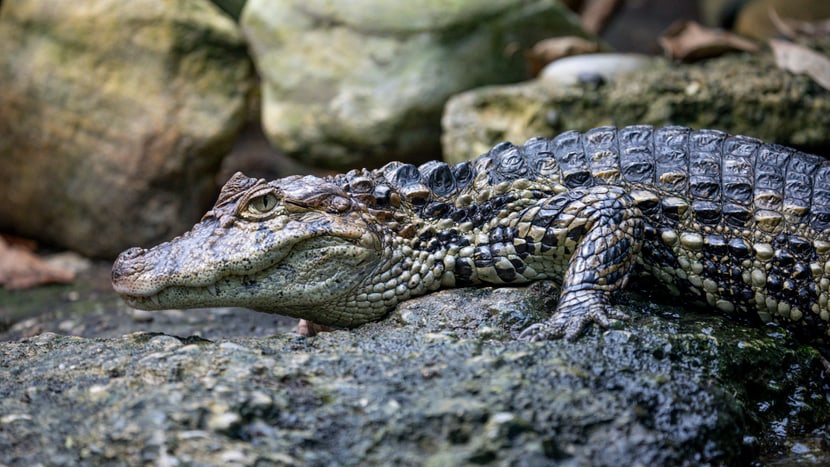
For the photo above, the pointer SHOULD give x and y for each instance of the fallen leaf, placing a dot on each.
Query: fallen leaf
(689, 41)
(21, 269)
(548, 50)
(794, 29)
(801, 60)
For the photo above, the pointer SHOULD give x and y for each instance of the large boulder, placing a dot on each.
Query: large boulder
(742, 94)
(441, 381)
(114, 117)
(358, 83)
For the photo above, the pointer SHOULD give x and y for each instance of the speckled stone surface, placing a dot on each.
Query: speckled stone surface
(442, 381)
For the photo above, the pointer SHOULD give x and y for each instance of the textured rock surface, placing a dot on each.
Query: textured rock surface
(114, 110)
(355, 83)
(741, 94)
(440, 382)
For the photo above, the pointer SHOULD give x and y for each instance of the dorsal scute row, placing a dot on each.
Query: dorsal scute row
(721, 179)
(415, 184)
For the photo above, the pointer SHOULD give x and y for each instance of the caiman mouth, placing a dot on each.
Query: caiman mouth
(230, 288)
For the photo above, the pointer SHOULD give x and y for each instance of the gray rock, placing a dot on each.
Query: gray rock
(115, 117)
(422, 387)
(740, 94)
(358, 83)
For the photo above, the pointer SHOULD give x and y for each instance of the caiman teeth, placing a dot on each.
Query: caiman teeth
(211, 289)
(155, 299)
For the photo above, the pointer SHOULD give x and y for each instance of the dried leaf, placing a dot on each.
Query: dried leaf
(689, 41)
(548, 50)
(597, 13)
(795, 29)
(801, 60)
(20, 268)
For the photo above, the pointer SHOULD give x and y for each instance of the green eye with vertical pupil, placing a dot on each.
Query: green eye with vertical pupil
(262, 204)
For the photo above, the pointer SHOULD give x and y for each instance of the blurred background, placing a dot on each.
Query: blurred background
(119, 121)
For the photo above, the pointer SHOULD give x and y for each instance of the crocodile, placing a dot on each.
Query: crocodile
(726, 221)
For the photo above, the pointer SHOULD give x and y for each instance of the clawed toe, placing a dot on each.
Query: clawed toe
(540, 332)
(570, 321)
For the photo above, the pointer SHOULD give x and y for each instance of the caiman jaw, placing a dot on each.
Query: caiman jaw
(197, 259)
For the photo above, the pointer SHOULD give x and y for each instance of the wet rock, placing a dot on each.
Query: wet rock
(423, 387)
(359, 83)
(115, 110)
(740, 94)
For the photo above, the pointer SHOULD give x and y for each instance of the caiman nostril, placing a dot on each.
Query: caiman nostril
(133, 252)
(122, 266)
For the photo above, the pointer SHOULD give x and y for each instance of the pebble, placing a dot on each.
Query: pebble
(607, 66)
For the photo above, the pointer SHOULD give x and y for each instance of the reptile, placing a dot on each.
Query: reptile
(731, 222)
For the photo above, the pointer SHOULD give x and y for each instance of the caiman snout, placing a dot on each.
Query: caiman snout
(122, 266)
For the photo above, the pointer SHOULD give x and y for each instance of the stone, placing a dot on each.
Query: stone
(115, 116)
(739, 93)
(671, 387)
(597, 66)
(359, 83)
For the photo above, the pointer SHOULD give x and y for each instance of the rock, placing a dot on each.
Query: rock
(602, 66)
(115, 116)
(672, 387)
(232, 8)
(359, 83)
(740, 94)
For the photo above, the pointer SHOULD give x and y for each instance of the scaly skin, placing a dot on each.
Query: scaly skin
(719, 219)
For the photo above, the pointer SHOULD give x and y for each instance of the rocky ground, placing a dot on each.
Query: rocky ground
(442, 381)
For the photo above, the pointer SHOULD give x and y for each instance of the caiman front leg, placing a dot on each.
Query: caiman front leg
(612, 230)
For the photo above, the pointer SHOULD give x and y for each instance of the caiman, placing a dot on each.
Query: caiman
(727, 221)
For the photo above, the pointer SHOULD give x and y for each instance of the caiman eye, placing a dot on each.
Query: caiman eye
(338, 204)
(262, 204)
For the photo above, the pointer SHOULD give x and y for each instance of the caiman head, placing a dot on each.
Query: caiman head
(298, 246)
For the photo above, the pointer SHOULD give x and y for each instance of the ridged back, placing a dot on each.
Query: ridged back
(723, 179)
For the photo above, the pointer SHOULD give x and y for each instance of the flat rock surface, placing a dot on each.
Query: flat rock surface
(442, 381)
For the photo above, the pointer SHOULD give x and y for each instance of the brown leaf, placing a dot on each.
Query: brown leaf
(689, 41)
(20, 268)
(801, 60)
(794, 29)
(548, 50)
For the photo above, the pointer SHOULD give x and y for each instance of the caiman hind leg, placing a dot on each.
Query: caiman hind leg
(608, 229)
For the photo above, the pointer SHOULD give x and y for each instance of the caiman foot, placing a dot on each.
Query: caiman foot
(311, 329)
(576, 310)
